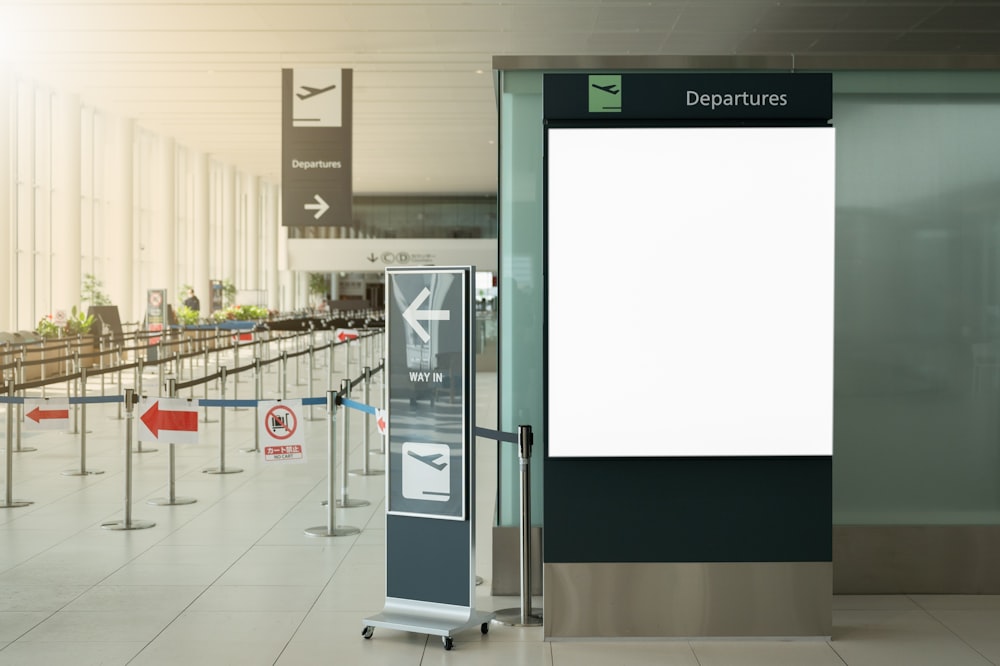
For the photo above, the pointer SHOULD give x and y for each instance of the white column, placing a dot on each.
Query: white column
(228, 249)
(8, 277)
(164, 250)
(120, 281)
(253, 230)
(270, 236)
(202, 232)
(66, 273)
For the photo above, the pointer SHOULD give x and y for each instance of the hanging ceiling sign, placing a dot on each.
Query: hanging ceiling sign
(316, 147)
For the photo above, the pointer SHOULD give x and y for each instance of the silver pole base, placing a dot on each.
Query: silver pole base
(81, 472)
(134, 525)
(219, 470)
(142, 450)
(24, 449)
(14, 504)
(209, 421)
(511, 617)
(351, 503)
(254, 449)
(166, 501)
(339, 530)
(361, 472)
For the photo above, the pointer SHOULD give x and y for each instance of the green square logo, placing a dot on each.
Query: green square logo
(605, 93)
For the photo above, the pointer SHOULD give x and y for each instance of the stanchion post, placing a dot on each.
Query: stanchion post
(222, 469)
(345, 430)
(128, 523)
(258, 378)
(525, 616)
(330, 529)
(19, 376)
(83, 471)
(312, 359)
(9, 502)
(365, 468)
(284, 375)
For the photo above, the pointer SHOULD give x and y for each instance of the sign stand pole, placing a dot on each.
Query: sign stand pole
(128, 523)
(172, 498)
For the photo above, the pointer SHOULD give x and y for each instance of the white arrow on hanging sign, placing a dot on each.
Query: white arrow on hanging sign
(320, 206)
(411, 315)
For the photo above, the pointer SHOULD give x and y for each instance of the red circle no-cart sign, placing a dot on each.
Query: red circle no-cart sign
(280, 422)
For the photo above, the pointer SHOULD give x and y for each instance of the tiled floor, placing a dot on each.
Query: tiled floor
(233, 579)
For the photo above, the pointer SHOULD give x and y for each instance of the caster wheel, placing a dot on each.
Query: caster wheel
(485, 627)
(448, 642)
(367, 632)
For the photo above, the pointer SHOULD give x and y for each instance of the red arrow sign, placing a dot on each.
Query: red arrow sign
(157, 420)
(37, 414)
(347, 334)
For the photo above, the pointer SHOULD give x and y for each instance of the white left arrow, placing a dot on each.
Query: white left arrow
(412, 314)
(320, 206)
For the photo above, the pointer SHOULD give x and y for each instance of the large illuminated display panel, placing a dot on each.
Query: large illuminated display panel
(705, 256)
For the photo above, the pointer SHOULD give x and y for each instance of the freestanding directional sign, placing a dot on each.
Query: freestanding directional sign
(430, 521)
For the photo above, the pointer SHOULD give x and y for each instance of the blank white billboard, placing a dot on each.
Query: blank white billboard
(690, 291)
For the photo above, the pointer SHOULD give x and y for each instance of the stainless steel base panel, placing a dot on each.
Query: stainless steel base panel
(426, 617)
(672, 600)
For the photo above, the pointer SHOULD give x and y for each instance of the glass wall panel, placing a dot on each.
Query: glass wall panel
(917, 362)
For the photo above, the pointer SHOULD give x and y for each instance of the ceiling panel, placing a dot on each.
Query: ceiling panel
(209, 73)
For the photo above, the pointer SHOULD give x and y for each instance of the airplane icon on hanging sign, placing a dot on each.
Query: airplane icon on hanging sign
(428, 459)
(608, 88)
(312, 92)
(412, 314)
(321, 206)
(372, 257)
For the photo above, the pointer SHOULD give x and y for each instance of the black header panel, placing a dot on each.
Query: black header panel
(793, 98)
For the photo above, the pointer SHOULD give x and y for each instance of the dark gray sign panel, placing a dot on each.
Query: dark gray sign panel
(429, 370)
(316, 145)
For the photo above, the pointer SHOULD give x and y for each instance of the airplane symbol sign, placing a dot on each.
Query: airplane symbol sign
(312, 92)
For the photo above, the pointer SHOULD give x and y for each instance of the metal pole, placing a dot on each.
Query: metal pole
(9, 501)
(140, 370)
(128, 523)
(312, 356)
(205, 418)
(345, 429)
(525, 616)
(365, 469)
(331, 444)
(83, 471)
(284, 375)
(171, 498)
(259, 390)
(120, 387)
(19, 374)
(221, 469)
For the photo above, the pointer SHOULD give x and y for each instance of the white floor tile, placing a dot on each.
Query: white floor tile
(233, 579)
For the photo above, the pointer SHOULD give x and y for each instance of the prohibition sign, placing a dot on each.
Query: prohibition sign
(280, 422)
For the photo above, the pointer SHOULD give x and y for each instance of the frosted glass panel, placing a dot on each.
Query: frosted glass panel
(917, 362)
